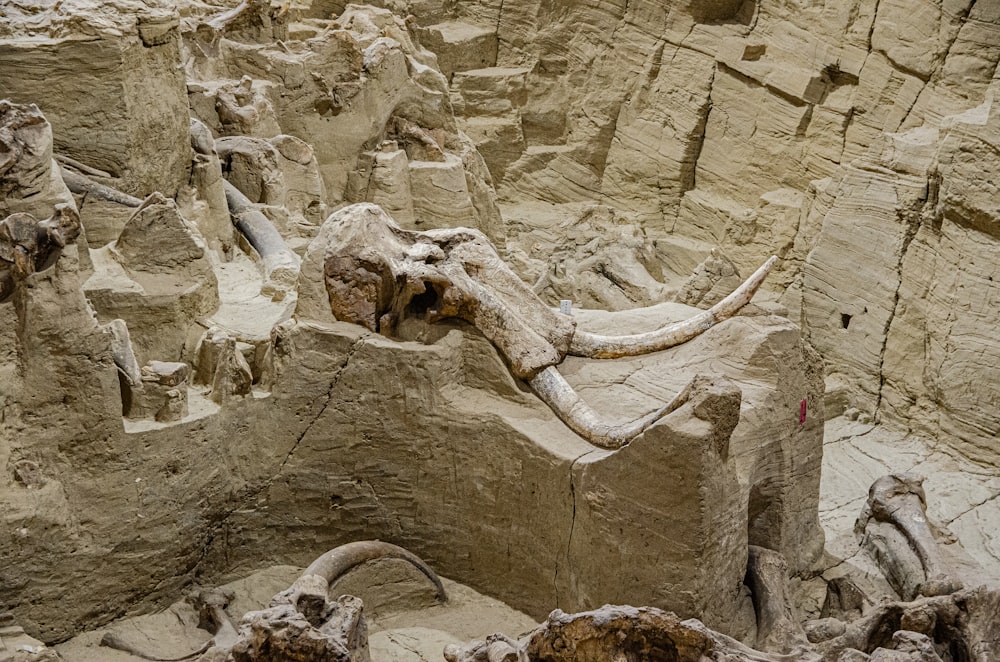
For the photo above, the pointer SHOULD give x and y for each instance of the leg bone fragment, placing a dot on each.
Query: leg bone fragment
(898, 499)
(281, 265)
(81, 184)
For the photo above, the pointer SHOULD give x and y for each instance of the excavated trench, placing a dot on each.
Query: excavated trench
(183, 404)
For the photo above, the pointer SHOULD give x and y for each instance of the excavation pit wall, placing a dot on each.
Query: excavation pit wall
(431, 446)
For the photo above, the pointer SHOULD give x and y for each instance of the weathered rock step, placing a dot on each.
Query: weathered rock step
(494, 91)
(460, 46)
(13, 640)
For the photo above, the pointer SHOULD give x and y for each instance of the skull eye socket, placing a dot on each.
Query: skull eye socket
(428, 301)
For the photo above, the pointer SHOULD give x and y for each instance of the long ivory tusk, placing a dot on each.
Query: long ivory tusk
(280, 264)
(340, 560)
(567, 404)
(81, 184)
(612, 347)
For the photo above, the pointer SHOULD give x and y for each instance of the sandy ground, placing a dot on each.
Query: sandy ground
(407, 625)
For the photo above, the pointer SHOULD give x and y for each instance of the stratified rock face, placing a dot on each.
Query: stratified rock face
(856, 141)
(107, 75)
(692, 140)
(433, 444)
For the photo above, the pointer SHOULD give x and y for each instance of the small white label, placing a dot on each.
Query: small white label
(566, 306)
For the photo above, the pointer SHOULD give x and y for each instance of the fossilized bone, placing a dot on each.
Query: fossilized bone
(899, 500)
(302, 623)
(613, 347)
(767, 577)
(378, 274)
(964, 624)
(81, 167)
(28, 245)
(340, 560)
(81, 184)
(280, 264)
(211, 606)
(122, 353)
(550, 386)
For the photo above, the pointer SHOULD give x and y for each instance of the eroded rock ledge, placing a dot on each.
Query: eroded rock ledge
(180, 401)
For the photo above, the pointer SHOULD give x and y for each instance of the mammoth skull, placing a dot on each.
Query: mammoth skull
(378, 274)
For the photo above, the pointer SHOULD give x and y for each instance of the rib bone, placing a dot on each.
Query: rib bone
(612, 347)
(81, 184)
(567, 404)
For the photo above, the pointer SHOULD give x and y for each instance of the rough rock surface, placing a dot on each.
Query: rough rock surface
(854, 140)
(641, 152)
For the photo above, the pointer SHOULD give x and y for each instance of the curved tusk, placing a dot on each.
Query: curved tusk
(567, 404)
(612, 347)
(341, 560)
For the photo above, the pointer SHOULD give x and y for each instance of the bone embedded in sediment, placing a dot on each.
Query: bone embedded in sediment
(29, 177)
(161, 394)
(898, 503)
(119, 61)
(376, 274)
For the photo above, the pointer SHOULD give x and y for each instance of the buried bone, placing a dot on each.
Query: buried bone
(897, 501)
(302, 622)
(767, 577)
(280, 264)
(28, 245)
(378, 274)
(122, 353)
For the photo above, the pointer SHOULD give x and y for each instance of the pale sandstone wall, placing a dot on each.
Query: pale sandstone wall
(856, 140)
(756, 129)
(344, 434)
(435, 447)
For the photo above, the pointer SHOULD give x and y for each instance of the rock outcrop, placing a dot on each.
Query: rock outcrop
(205, 371)
(855, 142)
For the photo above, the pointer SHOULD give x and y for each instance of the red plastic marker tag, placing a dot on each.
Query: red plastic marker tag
(802, 412)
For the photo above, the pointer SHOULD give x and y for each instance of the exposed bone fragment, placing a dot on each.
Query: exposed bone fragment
(608, 633)
(899, 500)
(28, 245)
(556, 392)
(613, 347)
(251, 166)
(280, 264)
(211, 605)
(251, 20)
(202, 141)
(161, 393)
(302, 623)
(82, 167)
(844, 600)
(113, 640)
(341, 560)
(962, 624)
(80, 184)
(233, 376)
(29, 177)
(282, 633)
(767, 577)
(121, 352)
